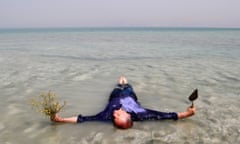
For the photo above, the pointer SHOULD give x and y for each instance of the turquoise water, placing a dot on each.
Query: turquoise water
(81, 65)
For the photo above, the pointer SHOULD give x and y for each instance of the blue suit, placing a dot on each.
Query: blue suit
(123, 96)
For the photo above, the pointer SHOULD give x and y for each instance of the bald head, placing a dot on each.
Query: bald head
(122, 119)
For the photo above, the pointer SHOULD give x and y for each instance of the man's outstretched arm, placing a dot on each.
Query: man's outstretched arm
(57, 118)
(189, 112)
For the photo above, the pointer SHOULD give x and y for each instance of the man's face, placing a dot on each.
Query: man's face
(121, 117)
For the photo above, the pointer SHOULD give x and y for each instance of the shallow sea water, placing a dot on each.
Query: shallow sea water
(82, 66)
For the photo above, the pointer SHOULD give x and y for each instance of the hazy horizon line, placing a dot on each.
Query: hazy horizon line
(80, 27)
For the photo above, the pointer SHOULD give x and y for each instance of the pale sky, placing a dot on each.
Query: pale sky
(118, 13)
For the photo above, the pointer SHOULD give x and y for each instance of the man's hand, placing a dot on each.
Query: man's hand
(190, 112)
(56, 118)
